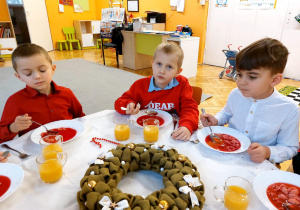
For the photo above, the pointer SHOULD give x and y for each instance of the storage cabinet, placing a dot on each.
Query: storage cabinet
(96, 27)
(7, 37)
(87, 31)
(190, 47)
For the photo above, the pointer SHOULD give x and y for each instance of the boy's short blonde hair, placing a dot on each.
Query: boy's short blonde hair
(265, 53)
(27, 50)
(170, 48)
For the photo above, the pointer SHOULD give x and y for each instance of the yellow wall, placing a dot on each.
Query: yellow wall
(58, 20)
(194, 15)
(4, 13)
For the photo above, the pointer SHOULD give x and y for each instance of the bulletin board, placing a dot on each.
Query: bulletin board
(84, 4)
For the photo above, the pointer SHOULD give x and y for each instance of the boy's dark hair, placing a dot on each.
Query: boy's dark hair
(264, 53)
(170, 48)
(27, 50)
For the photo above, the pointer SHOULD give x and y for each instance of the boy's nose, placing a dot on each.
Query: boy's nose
(37, 75)
(162, 71)
(242, 81)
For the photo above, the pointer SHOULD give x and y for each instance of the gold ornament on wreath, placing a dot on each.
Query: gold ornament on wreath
(183, 188)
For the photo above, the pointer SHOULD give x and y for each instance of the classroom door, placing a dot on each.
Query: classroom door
(291, 39)
(240, 27)
(38, 23)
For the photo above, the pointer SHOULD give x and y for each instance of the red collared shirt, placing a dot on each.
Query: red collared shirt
(61, 104)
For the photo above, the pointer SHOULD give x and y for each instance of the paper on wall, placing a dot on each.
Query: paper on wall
(113, 14)
(78, 8)
(173, 3)
(257, 4)
(180, 5)
(61, 8)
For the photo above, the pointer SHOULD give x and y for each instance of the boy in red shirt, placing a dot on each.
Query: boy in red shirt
(41, 100)
(166, 90)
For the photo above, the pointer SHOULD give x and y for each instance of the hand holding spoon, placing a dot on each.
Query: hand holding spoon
(213, 137)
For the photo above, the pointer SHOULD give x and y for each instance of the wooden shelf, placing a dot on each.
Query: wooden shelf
(87, 31)
(6, 30)
(7, 37)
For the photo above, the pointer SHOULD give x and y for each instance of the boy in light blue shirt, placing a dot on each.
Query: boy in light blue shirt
(256, 108)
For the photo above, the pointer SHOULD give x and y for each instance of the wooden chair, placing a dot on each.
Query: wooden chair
(70, 36)
(197, 94)
(7, 48)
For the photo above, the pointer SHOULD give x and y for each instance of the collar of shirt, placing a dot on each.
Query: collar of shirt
(272, 96)
(172, 84)
(32, 92)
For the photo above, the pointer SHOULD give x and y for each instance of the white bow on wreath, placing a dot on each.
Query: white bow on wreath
(163, 147)
(101, 159)
(192, 182)
(107, 204)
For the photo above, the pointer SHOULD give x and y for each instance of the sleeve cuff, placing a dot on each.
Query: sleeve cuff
(278, 155)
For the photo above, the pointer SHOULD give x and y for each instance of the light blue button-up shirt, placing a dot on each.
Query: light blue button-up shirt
(273, 122)
(172, 84)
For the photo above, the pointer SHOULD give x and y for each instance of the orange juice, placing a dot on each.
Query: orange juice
(50, 151)
(236, 198)
(50, 171)
(52, 147)
(122, 132)
(151, 133)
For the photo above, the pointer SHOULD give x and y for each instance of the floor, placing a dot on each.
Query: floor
(207, 78)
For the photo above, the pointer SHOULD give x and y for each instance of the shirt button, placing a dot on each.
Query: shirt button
(255, 101)
(51, 110)
(246, 131)
(251, 112)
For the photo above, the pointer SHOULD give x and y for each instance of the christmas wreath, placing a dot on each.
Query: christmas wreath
(183, 188)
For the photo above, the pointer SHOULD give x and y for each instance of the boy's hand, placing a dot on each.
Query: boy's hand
(3, 159)
(258, 153)
(21, 123)
(182, 133)
(132, 109)
(208, 120)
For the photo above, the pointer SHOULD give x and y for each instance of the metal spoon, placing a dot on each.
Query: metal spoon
(196, 141)
(288, 206)
(151, 112)
(21, 155)
(213, 137)
(48, 131)
(5, 154)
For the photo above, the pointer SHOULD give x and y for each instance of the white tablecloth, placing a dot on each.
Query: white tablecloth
(214, 167)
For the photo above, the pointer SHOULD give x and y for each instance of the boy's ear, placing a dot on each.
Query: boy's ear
(18, 76)
(276, 79)
(179, 71)
(53, 68)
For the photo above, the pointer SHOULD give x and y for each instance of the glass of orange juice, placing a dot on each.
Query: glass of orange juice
(51, 143)
(122, 129)
(151, 129)
(235, 193)
(50, 169)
